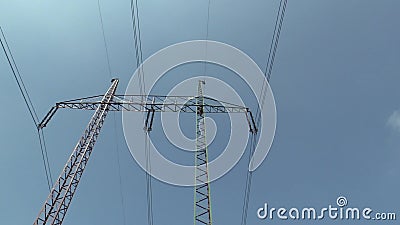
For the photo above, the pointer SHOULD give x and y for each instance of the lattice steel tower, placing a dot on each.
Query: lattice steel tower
(57, 203)
(59, 199)
(202, 201)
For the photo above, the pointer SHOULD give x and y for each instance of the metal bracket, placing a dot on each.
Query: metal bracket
(250, 120)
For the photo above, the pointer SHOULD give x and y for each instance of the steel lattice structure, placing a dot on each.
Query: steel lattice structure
(156, 103)
(60, 197)
(202, 201)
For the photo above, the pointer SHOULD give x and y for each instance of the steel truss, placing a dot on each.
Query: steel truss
(59, 199)
(202, 201)
(153, 103)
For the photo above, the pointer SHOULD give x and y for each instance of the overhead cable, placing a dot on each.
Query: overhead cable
(29, 105)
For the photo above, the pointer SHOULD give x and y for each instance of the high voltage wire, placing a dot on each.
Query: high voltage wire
(271, 55)
(207, 33)
(268, 71)
(139, 61)
(29, 105)
(139, 35)
(138, 45)
(119, 168)
(149, 192)
(142, 87)
(45, 158)
(249, 176)
(19, 80)
(104, 37)
(114, 116)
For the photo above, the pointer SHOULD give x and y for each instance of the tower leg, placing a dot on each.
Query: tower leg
(202, 202)
(59, 199)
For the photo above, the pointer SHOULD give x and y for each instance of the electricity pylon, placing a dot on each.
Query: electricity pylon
(62, 192)
(202, 201)
(59, 199)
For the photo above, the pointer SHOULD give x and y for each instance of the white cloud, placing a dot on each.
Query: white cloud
(394, 120)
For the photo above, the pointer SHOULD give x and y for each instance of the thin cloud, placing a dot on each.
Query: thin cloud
(394, 120)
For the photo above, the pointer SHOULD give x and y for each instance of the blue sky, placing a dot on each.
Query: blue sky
(335, 82)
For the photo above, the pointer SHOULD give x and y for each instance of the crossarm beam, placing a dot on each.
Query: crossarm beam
(154, 103)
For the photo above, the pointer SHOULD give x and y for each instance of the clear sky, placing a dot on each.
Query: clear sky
(335, 80)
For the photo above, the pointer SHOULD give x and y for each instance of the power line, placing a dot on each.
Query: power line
(207, 34)
(142, 87)
(138, 45)
(104, 37)
(117, 151)
(149, 188)
(268, 71)
(119, 169)
(45, 158)
(19, 80)
(29, 105)
(249, 176)
(271, 55)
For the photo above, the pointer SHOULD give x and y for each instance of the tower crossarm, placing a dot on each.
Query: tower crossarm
(154, 103)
